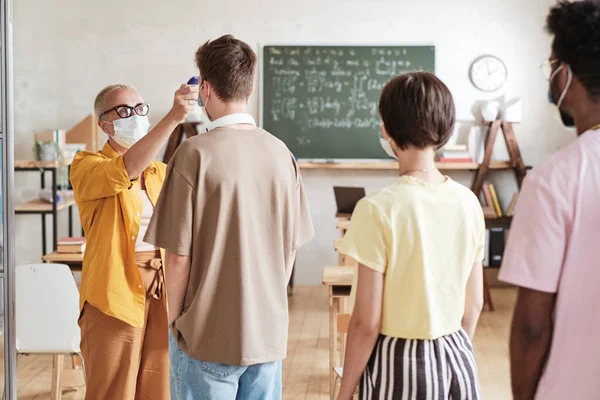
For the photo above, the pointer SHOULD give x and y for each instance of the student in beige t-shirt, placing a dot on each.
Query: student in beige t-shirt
(231, 215)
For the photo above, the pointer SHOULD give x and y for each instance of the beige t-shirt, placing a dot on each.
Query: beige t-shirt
(234, 201)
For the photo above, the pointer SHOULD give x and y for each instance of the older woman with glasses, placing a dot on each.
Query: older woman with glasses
(124, 323)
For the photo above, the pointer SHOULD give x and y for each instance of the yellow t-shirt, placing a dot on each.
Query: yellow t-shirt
(425, 238)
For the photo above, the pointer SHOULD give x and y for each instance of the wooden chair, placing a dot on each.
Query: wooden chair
(47, 309)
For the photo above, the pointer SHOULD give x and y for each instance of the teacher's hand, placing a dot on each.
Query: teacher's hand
(185, 100)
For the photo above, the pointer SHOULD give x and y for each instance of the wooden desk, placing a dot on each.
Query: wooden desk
(343, 225)
(74, 261)
(337, 243)
(339, 280)
(343, 259)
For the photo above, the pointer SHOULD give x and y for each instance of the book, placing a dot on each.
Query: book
(454, 147)
(456, 160)
(70, 248)
(495, 200)
(489, 211)
(510, 210)
(455, 154)
(71, 241)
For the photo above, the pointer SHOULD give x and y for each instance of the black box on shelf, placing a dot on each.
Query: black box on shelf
(496, 246)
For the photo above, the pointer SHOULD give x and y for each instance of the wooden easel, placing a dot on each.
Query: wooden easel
(516, 164)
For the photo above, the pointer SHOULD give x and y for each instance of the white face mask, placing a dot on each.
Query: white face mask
(202, 105)
(387, 147)
(562, 116)
(129, 130)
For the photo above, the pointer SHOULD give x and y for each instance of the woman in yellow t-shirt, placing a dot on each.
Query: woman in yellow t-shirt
(419, 243)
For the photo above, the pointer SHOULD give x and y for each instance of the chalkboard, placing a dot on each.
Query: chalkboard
(322, 101)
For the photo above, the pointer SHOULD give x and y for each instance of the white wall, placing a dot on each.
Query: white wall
(67, 50)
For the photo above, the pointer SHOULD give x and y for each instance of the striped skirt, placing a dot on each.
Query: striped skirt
(406, 369)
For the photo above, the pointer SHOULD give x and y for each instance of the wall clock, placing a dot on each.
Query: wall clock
(488, 73)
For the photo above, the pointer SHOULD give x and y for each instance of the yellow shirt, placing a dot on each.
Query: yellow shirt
(425, 239)
(110, 207)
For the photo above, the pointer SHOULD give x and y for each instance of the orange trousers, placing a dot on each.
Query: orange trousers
(123, 362)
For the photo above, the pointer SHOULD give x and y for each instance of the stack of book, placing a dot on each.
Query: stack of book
(457, 153)
(71, 245)
(492, 207)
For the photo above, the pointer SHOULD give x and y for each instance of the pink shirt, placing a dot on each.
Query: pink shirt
(554, 247)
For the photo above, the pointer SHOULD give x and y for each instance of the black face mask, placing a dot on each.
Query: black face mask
(566, 118)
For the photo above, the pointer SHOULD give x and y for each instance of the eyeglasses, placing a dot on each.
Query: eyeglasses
(125, 111)
(546, 68)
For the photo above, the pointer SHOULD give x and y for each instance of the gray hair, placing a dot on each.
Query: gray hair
(100, 101)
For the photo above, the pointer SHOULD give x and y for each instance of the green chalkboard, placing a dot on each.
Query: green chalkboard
(322, 101)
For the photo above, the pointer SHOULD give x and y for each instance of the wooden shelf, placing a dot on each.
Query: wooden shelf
(56, 257)
(30, 164)
(390, 165)
(41, 206)
(498, 222)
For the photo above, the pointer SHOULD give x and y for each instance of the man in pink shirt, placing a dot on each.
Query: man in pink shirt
(553, 251)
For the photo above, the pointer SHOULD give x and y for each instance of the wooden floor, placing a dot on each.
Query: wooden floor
(305, 369)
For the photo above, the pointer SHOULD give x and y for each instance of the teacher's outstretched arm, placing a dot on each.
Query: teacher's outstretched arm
(141, 154)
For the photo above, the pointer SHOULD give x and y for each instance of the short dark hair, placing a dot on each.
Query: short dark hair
(228, 64)
(576, 30)
(417, 110)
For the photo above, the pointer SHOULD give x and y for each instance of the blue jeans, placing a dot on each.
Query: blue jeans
(192, 379)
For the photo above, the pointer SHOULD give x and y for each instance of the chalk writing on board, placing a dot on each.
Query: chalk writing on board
(324, 72)
(323, 101)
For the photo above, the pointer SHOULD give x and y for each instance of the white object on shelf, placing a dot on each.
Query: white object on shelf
(454, 137)
(71, 149)
(476, 144)
(486, 249)
(514, 111)
(46, 195)
(490, 111)
(48, 151)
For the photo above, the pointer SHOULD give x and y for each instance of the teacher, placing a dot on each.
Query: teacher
(124, 337)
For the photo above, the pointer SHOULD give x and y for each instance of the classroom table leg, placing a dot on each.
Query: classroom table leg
(75, 362)
(343, 309)
(331, 341)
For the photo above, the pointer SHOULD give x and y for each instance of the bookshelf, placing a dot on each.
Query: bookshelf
(515, 164)
(42, 208)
